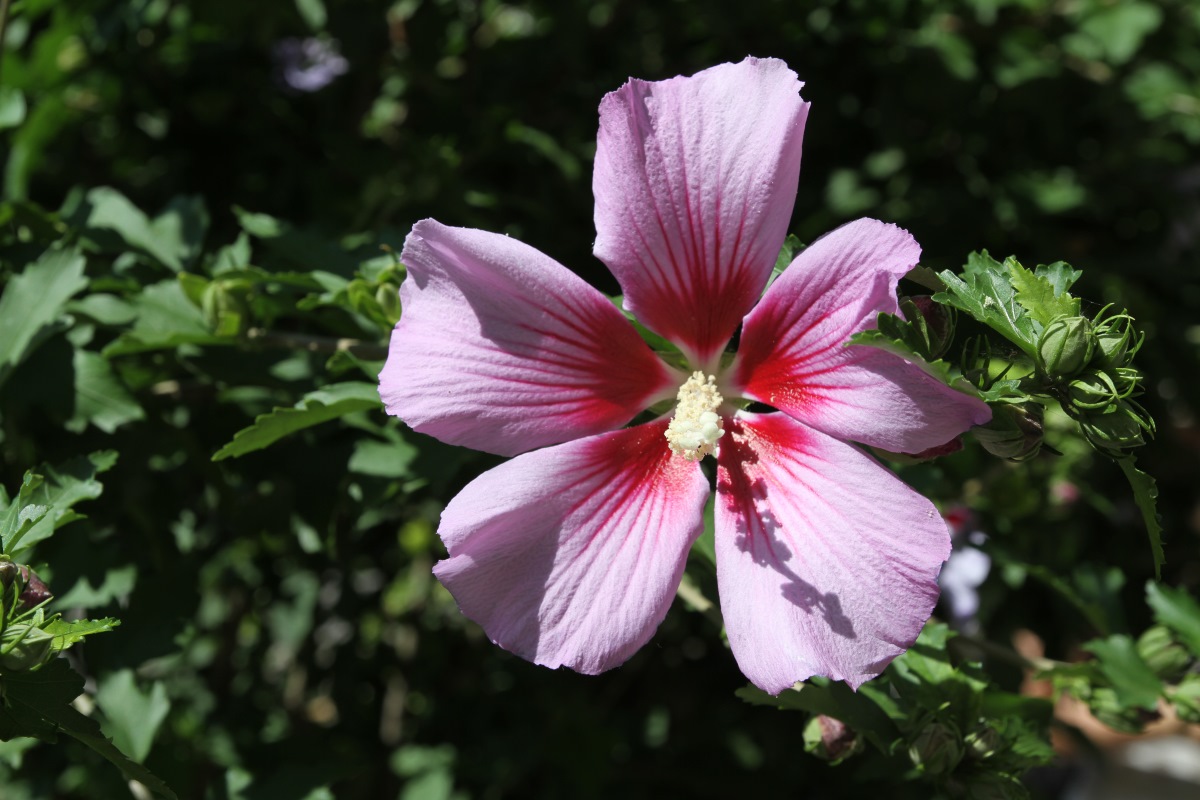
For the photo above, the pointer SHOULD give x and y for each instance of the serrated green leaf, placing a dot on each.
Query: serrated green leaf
(1178, 610)
(165, 319)
(833, 699)
(33, 301)
(1037, 294)
(39, 704)
(1131, 677)
(100, 397)
(69, 633)
(59, 488)
(314, 408)
(1060, 274)
(893, 337)
(988, 295)
(131, 716)
(1145, 494)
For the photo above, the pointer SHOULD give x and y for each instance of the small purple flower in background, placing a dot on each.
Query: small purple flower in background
(307, 65)
(570, 553)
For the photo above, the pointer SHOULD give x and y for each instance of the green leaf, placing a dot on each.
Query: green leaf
(100, 397)
(69, 633)
(33, 301)
(1131, 677)
(833, 699)
(12, 107)
(313, 13)
(895, 335)
(1038, 295)
(314, 408)
(1178, 610)
(1145, 494)
(383, 459)
(173, 238)
(165, 319)
(132, 717)
(987, 294)
(59, 489)
(39, 704)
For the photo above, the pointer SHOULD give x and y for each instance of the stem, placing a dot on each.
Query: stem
(1011, 656)
(3, 30)
(316, 344)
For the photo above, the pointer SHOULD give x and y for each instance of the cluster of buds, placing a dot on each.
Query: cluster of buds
(1090, 365)
(24, 645)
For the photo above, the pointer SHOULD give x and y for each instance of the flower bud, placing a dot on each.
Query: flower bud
(1186, 698)
(388, 297)
(1115, 340)
(983, 742)
(1163, 654)
(1092, 391)
(830, 739)
(937, 749)
(35, 591)
(1014, 432)
(24, 647)
(935, 322)
(8, 572)
(1107, 707)
(1065, 347)
(1119, 428)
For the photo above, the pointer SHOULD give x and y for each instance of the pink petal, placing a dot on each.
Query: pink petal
(826, 563)
(793, 352)
(695, 179)
(571, 555)
(502, 349)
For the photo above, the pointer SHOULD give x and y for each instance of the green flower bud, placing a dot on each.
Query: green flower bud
(937, 749)
(1014, 432)
(24, 647)
(8, 572)
(1092, 391)
(983, 742)
(388, 297)
(1065, 347)
(1116, 429)
(1106, 707)
(1186, 698)
(830, 739)
(935, 321)
(1116, 340)
(225, 308)
(1163, 654)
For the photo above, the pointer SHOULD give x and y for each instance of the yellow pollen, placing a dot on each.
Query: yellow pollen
(696, 426)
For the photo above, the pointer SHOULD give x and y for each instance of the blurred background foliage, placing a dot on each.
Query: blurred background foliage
(236, 178)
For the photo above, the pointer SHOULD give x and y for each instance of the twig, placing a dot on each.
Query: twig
(316, 344)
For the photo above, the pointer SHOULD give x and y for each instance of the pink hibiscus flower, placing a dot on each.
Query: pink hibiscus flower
(571, 552)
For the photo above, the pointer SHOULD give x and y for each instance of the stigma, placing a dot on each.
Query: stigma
(696, 426)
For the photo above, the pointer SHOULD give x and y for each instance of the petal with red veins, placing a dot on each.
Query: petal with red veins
(571, 555)
(827, 563)
(502, 349)
(793, 353)
(695, 179)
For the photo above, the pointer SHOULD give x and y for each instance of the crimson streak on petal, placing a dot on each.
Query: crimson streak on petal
(571, 555)
(826, 562)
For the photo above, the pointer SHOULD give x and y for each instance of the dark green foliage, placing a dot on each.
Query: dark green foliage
(198, 262)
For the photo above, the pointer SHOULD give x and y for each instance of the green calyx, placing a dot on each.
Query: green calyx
(1065, 347)
(1014, 432)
